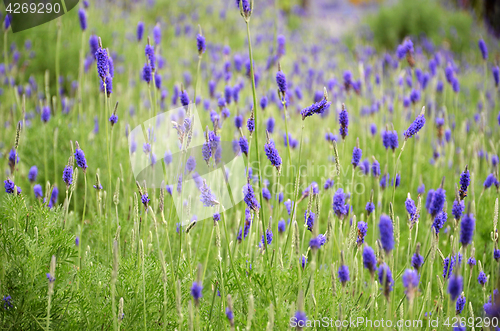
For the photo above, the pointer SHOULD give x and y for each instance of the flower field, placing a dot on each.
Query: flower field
(207, 166)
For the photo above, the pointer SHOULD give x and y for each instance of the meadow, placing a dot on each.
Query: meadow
(206, 165)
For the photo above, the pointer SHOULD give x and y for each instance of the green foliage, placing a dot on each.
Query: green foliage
(415, 18)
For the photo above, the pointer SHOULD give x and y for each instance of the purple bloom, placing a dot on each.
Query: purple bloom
(370, 207)
(196, 291)
(207, 197)
(113, 119)
(385, 278)
(457, 209)
(343, 274)
(362, 230)
(200, 43)
(272, 154)
(496, 75)
(437, 202)
(467, 229)
(263, 103)
(317, 242)
(316, 108)
(147, 73)
(460, 304)
(356, 156)
(375, 168)
(386, 233)
(482, 279)
(269, 238)
(68, 175)
(281, 226)
(145, 200)
(9, 186)
(343, 121)
(483, 49)
(490, 180)
(243, 145)
(417, 260)
(410, 280)
(140, 30)
(455, 285)
(251, 125)
(310, 218)
(249, 197)
(369, 259)
(411, 209)
(300, 316)
(270, 125)
(416, 126)
(439, 221)
(102, 62)
(83, 18)
(339, 206)
(32, 174)
(150, 56)
(53, 197)
(157, 34)
(281, 82)
(464, 183)
(37, 190)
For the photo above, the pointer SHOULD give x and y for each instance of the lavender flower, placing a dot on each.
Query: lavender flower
(343, 274)
(249, 197)
(356, 156)
(417, 260)
(410, 280)
(45, 114)
(196, 291)
(339, 206)
(200, 43)
(32, 174)
(281, 82)
(68, 175)
(272, 154)
(207, 197)
(375, 168)
(243, 143)
(102, 62)
(460, 304)
(147, 73)
(145, 199)
(343, 121)
(369, 259)
(317, 242)
(149, 51)
(416, 126)
(281, 226)
(83, 18)
(370, 207)
(80, 158)
(316, 108)
(362, 230)
(309, 217)
(437, 202)
(482, 279)
(455, 285)
(385, 279)
(464, 183)
(483, 49)
(386, 233)
(37, 190)
(467, 229)
(457, 209)
(140, 30)
(439, 221)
